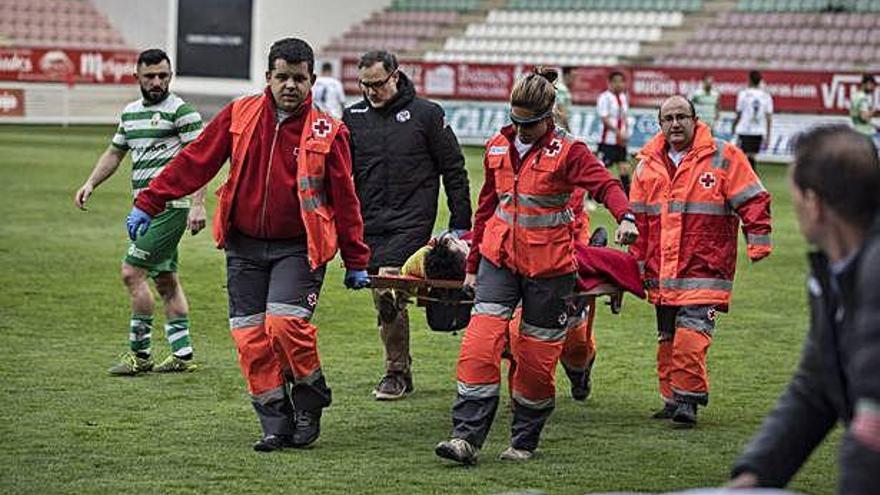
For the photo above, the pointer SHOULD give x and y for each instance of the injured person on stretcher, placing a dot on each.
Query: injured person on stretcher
(433, 275)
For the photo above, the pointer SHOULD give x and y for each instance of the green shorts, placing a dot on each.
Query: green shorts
(156, 250)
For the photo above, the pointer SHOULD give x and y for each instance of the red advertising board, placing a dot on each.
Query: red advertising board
(792, 91)
(449, 81)
(11, 102)
(66, 65)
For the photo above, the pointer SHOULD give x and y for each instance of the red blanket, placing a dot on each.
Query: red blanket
(602, 265)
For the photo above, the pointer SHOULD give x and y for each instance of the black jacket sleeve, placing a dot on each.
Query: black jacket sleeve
(800, 421)
(860, 456)
(446, 154)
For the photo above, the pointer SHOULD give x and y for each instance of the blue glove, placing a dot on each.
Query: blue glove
(137, 223)
(356, 279)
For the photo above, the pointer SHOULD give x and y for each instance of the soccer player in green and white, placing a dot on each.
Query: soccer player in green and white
(154, 128)
(707, 102)
(861, 109)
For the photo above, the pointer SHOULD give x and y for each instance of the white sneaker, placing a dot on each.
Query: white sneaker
(458, 450)
(512, 454)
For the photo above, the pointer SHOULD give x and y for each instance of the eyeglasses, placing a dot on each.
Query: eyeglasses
(376, 84)
(681, 117)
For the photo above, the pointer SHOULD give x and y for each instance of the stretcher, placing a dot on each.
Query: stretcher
(421, 290)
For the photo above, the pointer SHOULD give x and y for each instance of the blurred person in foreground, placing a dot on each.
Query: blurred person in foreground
(833, 182)
(287, 206)
(689, 193)
(523, 252)
(155, 128)
(401, 148)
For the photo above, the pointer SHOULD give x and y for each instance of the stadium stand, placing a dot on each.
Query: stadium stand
(784, 34)
(789, 34)
(408, 28)
(565, 37)
(52, 23)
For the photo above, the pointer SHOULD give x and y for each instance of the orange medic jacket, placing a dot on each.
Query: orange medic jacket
(688, 217)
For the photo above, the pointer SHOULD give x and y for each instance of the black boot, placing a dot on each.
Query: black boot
(306, 427)
(599, 237)
(667, 412)
(580, 383)
(271, 443)
(685, 415)
(275, 417)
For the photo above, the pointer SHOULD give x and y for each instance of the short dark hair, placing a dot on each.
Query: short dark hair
(567, 69)
(442, 263)
(616, 72)
(369, 59)
(326, 67)
(690, 104)
(842, 167)
(153, 56)
(292, 51)
(868, 78)
(754, 77)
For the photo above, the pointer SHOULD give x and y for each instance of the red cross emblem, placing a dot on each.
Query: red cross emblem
(553, 148)
(707, 180)
(321, 128)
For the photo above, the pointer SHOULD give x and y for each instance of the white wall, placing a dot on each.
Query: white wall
(143, 24)
(316, 21)
(153, 23)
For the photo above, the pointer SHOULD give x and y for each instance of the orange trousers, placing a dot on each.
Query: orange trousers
(684, 336)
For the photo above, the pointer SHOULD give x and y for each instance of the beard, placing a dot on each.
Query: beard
(153, 97)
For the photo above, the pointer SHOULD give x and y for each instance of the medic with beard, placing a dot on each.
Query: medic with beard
(285, 209)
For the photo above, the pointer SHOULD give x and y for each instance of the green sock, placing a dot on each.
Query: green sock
(177, 333)
(141, 329)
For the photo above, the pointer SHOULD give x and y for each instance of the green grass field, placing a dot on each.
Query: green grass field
(66, 426)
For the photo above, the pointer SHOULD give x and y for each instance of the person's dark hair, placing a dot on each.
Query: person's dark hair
(615, 73)
(690, 104)
(442, 263)
(842, 167)
(535, 91)
(566, 70)
(868, 78)
(153, 56)
(326, 67)
(754, 77)
(292, 51)
(369, 59)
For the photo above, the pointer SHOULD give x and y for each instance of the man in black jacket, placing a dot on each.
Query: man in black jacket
(835, 181)
(400, 146)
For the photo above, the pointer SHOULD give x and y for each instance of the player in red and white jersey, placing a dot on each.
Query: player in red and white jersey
(613, 109)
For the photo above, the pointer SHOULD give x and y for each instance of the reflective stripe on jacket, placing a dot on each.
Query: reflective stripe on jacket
(688, 219)
(317, 215)
(531, 231)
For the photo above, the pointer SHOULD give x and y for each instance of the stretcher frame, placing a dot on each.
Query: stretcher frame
(419, 288)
